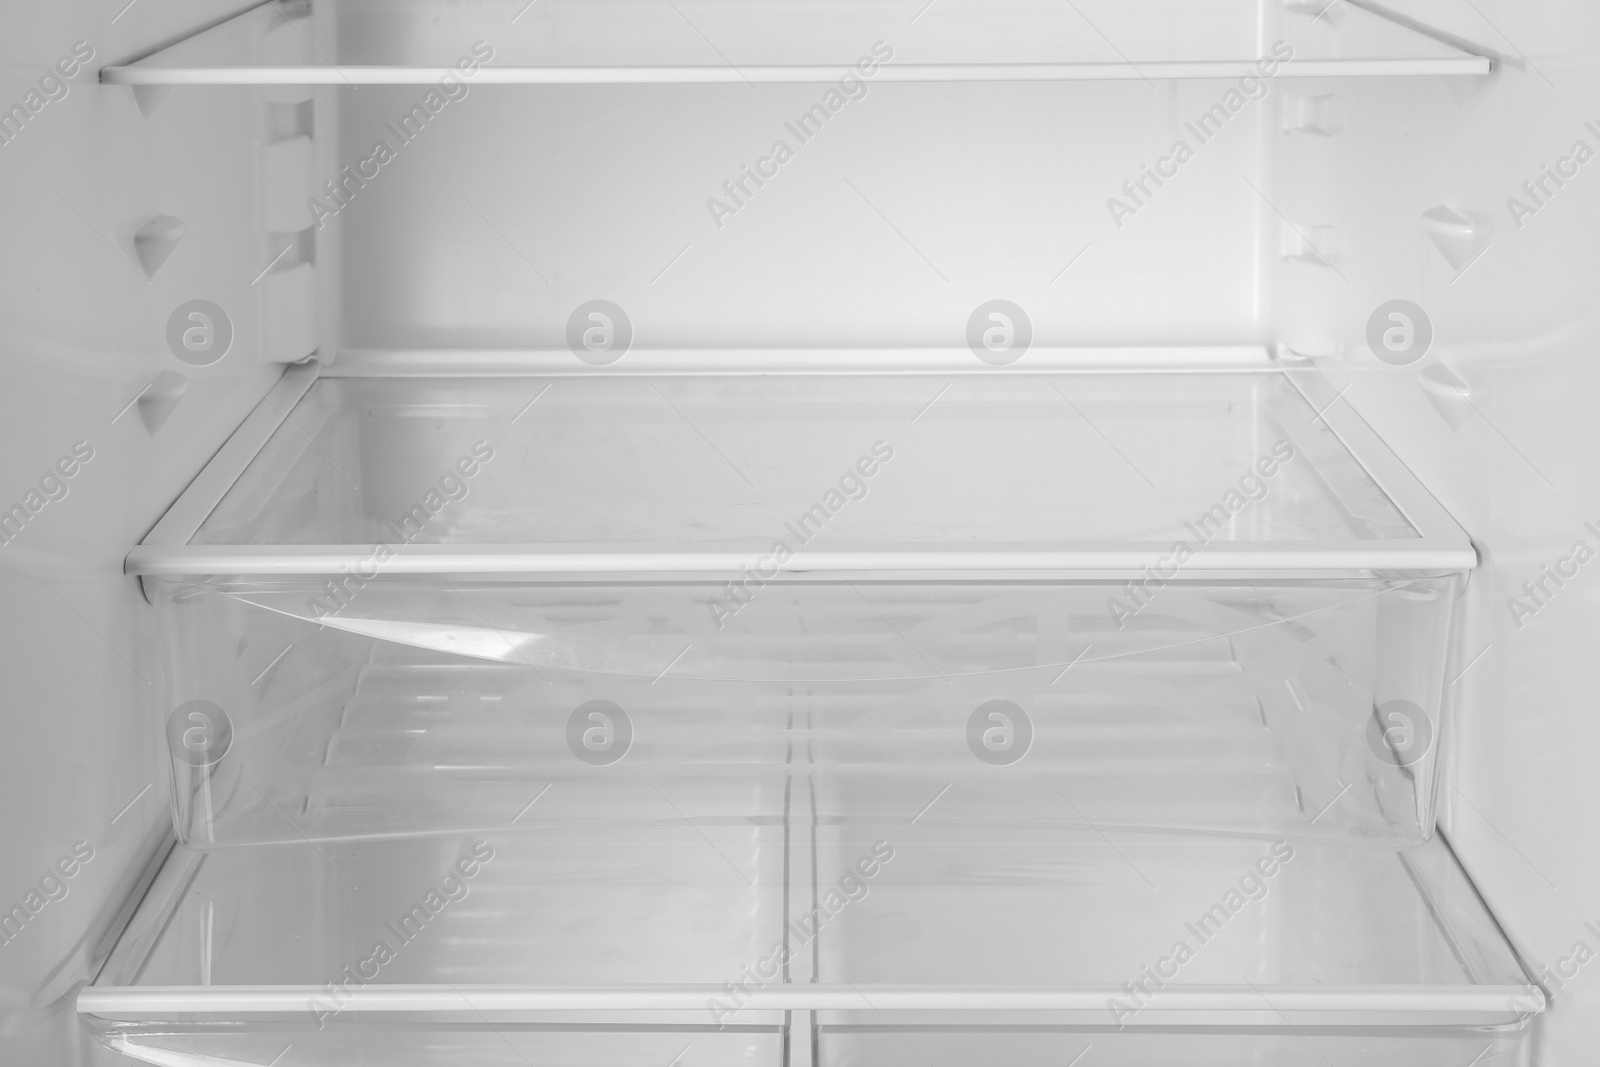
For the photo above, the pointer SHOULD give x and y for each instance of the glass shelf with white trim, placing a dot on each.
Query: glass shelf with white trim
(801, 940)
(612, 42)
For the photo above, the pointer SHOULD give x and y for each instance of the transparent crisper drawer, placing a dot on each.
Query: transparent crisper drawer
(796, 940)
(436, 707)
(1197, 602)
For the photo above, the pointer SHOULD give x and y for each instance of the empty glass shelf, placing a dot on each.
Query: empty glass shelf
(363, 42)
(771, 941)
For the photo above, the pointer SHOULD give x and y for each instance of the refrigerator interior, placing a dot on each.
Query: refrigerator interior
(918, 202)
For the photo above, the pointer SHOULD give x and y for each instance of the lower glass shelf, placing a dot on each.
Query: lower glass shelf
(806, 940)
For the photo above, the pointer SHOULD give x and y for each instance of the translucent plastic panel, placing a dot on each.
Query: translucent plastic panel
(969, 906)
(808, 461)
(669, 904)
(1308, 709)
(903, 1046)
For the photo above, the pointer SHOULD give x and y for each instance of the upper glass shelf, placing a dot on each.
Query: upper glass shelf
(851, 42)
(998, 470)
(712, 460)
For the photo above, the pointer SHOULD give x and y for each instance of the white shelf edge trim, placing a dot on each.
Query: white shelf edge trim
(468, 362)
(1418, 554)
(139, 74)
(115, 1002)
